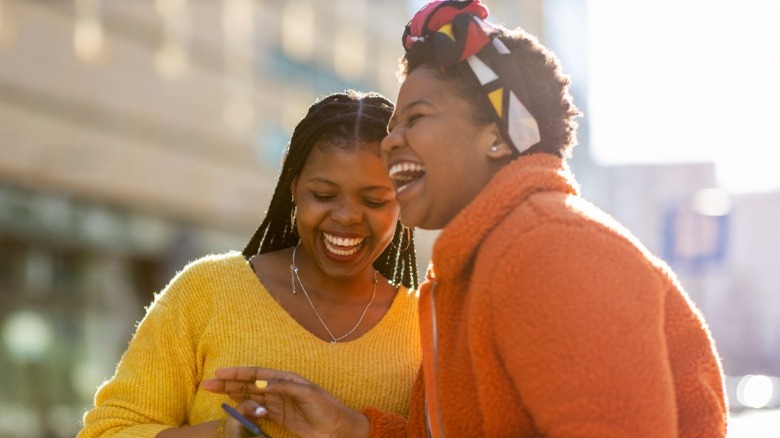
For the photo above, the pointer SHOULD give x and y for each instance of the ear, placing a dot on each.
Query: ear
(497, 148)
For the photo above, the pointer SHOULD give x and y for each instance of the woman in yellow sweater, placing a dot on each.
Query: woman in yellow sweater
(322, 289)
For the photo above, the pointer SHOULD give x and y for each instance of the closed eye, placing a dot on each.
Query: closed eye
(409, 122)
(413, 118)
(323, 196)
(374, 203)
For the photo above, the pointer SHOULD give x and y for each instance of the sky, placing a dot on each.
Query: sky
(687, 80)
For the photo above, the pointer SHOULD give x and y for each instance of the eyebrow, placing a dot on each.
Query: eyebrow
(406, 109)
(322, 180)
(319, 179)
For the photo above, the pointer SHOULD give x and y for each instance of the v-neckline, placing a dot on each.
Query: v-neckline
(289, 319)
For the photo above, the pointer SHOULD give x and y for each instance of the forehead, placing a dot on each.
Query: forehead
(360, 162)
(425, 85)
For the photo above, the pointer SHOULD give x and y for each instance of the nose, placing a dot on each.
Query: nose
(348, 212)
(393, 140)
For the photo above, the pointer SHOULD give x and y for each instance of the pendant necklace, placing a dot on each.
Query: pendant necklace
(294, 276)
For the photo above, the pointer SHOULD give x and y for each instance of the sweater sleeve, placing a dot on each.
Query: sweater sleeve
(157, 376)
(390, 425)
(579, 323)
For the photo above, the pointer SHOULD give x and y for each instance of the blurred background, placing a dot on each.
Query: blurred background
(138, 135)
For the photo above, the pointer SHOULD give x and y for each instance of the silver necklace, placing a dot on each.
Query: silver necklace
(294, 275)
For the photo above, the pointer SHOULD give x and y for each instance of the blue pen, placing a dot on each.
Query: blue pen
(251, 427)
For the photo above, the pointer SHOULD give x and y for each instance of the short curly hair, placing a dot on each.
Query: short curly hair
(548, 88)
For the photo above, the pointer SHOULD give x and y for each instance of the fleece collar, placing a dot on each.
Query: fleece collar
(457, 244)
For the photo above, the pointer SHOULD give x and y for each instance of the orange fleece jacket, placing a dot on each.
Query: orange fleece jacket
(550, 319)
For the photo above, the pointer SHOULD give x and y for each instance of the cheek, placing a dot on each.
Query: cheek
(433, 148)
(383, 222)
(310, 215)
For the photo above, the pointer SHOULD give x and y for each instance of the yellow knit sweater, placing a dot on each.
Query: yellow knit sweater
(215, 313)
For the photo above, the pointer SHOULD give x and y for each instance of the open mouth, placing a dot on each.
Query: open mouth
(404, 173)
(342, 246)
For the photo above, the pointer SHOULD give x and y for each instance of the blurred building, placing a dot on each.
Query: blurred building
(750, 306)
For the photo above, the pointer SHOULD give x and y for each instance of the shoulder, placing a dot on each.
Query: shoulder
(407, 296)
(575, 267)
(403, 310)
(559, 224)
(210, 262)
(561, 241)
(199, 277)
(402, 318)
(211, 265)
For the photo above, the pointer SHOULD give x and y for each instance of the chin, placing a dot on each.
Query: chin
(411, 220)
(416, 222)
(429, 221)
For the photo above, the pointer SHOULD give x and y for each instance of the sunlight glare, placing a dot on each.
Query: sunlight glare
(687, 81)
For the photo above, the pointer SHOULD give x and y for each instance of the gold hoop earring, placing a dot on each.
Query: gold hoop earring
(408, 231)
(293, 217)
(408, 238)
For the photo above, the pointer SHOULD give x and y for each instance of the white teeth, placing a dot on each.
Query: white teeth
(404, 173)
(342, 241)
(336, 251)
(405, 167)
(343, 246)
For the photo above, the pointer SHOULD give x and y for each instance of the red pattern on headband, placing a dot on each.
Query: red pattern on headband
(458, 32)
(449, 22)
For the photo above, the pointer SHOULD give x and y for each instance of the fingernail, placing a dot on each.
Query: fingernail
(261, 383)
(260, 410)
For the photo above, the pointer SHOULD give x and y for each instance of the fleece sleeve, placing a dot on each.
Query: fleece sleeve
(156, 378)
(579, 323)
(390, 425)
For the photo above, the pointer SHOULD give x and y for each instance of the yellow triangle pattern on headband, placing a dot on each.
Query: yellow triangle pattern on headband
(496, 98)
(447, 30)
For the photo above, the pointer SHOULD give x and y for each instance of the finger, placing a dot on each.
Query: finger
(214, 385)
(246, 374)
(227, 373)
(275, 407)
(237, 390)
(241, 396)
(235, 373)
(240, 384)
(291, 377)
(229, 387)
(251, 408)
(300, 390)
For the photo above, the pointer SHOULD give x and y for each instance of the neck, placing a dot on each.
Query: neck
(344, 290)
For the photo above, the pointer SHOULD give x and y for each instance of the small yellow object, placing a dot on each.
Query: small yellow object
(496, 98)
(447, 30)
(261, 383)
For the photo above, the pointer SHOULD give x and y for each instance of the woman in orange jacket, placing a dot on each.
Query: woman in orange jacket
(541, 315)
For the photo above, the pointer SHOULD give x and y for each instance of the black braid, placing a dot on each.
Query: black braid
(345, 118)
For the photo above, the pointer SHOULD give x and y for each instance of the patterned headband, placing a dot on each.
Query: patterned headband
(458, 32)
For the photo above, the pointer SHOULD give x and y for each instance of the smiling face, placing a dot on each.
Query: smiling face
(437, 155)
(347, 209)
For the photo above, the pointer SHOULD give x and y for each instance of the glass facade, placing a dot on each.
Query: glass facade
(73, 284)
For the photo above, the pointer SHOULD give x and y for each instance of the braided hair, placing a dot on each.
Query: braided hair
(348, 118)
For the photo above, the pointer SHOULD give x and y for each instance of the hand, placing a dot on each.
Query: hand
(291, 401)
(249, 409)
